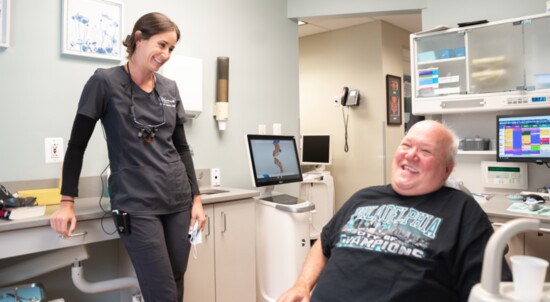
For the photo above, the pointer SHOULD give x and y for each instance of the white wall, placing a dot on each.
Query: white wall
(358, 57)
(40, 88)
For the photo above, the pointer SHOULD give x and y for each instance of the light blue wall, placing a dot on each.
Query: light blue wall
(40, 88)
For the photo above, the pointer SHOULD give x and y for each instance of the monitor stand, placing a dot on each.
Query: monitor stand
(266, 191)
(319, 168)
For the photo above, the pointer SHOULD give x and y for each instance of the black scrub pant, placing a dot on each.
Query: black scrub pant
(158, 247)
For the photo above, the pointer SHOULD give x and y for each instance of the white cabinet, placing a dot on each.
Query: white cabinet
(225, 268)
(490, 67)
(536, 244)
(318, 188)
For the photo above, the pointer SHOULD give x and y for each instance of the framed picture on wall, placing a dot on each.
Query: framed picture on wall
(5, 23)
(93, 28)
(393, 100)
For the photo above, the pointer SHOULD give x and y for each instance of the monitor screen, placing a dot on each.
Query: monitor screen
(273, 159)
(523, 138)
(316, 149)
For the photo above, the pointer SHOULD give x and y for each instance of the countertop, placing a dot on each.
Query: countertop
(89, 209)
(496, 209)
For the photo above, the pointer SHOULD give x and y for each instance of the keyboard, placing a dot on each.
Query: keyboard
(282, 199)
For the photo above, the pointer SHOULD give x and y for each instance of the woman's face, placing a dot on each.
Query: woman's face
(151, 54)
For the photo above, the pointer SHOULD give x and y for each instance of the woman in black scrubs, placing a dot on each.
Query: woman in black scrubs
(152, 178)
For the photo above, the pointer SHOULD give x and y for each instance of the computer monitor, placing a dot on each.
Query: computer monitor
(273, 160)
(523, 138)
(316, 150)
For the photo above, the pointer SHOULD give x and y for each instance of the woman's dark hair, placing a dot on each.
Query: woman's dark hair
(149, 25)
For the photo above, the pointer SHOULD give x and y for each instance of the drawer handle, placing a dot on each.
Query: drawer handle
(207, 226)
(74, 235)
(224, 218)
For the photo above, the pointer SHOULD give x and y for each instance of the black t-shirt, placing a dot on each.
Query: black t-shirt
(382, 246)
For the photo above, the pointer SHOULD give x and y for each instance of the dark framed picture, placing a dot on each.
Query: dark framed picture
(393, 100)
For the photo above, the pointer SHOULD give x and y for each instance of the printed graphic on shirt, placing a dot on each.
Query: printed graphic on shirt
(390, 229)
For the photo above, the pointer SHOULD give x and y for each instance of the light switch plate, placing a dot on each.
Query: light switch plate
(215, 177)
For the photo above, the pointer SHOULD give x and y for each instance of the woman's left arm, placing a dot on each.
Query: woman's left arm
(180, 142)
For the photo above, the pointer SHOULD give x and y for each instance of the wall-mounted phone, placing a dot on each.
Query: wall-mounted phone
(349, 97)
(344, 96)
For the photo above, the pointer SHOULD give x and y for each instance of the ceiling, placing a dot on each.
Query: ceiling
(411, 22)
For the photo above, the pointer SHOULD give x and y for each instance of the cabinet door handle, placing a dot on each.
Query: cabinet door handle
(223, 222)
(207, 226)
(74, 235)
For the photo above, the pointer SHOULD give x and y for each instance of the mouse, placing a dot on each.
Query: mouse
(536, 197)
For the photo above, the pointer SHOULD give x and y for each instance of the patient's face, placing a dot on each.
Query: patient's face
(420, 164)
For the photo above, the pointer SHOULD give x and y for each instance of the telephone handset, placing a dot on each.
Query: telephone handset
(349, 97)
(344, 96)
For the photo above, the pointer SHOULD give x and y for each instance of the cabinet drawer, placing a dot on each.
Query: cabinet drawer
(40, 239)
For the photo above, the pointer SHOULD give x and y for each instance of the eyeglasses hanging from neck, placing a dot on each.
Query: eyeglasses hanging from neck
(146, 131)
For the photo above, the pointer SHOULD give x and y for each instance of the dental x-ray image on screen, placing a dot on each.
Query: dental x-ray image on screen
(273, 159)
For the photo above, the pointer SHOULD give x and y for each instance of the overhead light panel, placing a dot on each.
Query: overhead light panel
(300, 22)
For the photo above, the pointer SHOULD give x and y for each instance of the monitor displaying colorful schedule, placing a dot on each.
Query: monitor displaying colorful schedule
(523, 138)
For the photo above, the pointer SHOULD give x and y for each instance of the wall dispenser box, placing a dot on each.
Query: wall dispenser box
(187, 72)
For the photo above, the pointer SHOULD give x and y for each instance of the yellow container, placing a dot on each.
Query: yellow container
(44, 197)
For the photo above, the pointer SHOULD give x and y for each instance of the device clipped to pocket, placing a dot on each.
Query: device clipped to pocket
(122, 221)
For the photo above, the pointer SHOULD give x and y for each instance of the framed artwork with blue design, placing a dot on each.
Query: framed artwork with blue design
(93, 28)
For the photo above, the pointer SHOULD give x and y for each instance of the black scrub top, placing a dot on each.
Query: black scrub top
(146, 177)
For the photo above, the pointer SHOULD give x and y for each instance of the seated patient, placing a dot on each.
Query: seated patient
(413, 240)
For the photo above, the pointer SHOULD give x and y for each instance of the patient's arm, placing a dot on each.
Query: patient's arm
(313, 267)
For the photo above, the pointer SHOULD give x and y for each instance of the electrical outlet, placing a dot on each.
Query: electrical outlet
(277, 129)
(215, 177)
(262, 129)
(54, 149)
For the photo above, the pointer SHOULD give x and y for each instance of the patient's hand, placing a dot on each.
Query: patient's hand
(295, 294)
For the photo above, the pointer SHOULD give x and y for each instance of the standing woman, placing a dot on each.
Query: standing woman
(152, 174)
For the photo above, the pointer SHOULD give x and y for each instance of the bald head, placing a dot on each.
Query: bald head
(424, 158)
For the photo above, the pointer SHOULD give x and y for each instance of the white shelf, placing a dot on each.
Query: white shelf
(478, 152)
(441, 61)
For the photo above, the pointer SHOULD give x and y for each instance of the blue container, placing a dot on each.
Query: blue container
(426, 56)
(444, 53)
(460, 52)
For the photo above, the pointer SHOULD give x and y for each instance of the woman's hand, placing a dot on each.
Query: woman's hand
(63, 220)
(197, 213)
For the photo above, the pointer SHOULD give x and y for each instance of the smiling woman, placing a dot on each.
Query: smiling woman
(152, 184)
